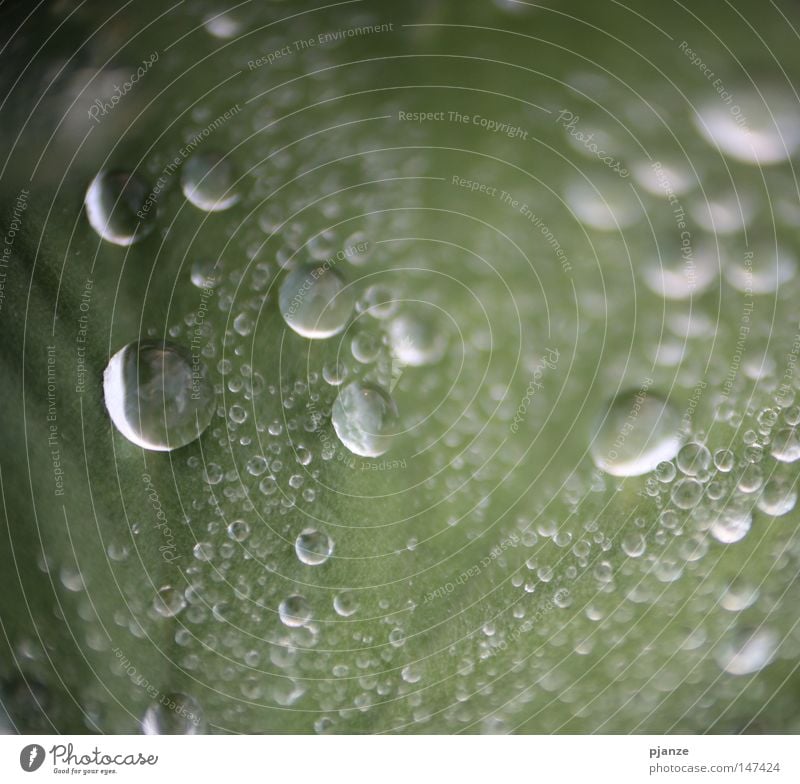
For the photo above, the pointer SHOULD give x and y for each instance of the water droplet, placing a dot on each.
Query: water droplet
(760, 271)
(633, 544)
(334, 373)
(206, 181)
(169, 602)
(761, 131)
(174, 714)
(731, 523)
(416, 341)
(738, 596)
(294, 611)
(158, 395)
(345, 604)
(777, 498)
(206, 273)
(239, 530)
(747, 652)
(117, 207)
(786, 445)
(313, 547)
(315, 302)
(636, 433)
(693, 459)
(363, 417)
(724, 460)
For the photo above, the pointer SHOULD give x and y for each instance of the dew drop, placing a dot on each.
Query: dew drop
(206, 181)
(315, 302)
(363, 417)
(637, 432)
(786, 445)
(158, 395)
(748, 652)
(345, 604)
(731, 523)
(174, 714)
(777, 498)
(169, 602)
(205, 273)
(416, 341)
(693, 459)
(294, 611)
(117, 207)
(313, 547)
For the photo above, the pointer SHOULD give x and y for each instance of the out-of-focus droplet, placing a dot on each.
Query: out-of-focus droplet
(635, 433)
(174, 714)
(207, 182)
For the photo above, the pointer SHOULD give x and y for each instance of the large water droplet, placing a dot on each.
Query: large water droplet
(315, 302)
(637, 432)
(206, 181)
(158, 395)
(174, 714)
(118, 207)
(364, 417)
(313, 547)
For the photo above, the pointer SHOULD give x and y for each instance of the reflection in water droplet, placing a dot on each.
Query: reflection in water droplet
(416, 341)
(158, 395)
(174, 714)
(313, 547)
(294, 611)
(118, 209)
(637, 431)
(206, 180)
(747, 652)
(315, 302)
(364, 417)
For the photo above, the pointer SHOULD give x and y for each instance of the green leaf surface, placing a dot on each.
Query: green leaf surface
(486, 576)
